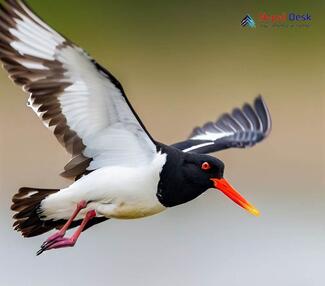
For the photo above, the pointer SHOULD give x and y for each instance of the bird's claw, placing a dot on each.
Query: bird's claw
(53, 238)
(58, 242)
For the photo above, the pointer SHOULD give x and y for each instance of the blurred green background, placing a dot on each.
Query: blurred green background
(183, 63)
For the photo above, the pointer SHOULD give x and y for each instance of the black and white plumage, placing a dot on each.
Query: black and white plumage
(72, 94)
(120, 171)
(241, 128)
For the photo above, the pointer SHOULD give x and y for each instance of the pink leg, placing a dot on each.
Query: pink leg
(60, 242)
(81, 205)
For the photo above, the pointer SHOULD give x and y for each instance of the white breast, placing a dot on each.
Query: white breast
(114, 192)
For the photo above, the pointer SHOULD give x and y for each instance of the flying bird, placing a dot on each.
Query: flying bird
(118, 169)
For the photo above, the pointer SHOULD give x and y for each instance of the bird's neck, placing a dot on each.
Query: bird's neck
(173, 187)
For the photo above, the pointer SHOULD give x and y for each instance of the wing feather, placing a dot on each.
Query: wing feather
(81, 102)
(241, 128)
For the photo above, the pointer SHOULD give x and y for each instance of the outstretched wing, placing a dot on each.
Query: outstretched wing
(81, 102)
(242, 128)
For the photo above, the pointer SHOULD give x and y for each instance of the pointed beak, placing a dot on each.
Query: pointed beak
(230, 192)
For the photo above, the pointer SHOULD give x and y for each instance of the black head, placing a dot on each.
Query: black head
(185, 176)
(199, 170)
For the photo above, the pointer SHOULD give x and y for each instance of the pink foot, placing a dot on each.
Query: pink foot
(60, 242)
(81, 205)
(57, 240)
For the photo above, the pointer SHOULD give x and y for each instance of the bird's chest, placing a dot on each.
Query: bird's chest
(135, 198)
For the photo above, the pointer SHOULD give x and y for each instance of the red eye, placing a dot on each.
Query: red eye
(205, 166)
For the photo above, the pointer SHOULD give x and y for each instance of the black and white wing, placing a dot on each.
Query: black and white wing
(81, 102)
(239, 129)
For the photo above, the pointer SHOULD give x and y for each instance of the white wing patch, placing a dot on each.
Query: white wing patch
(211, 136)
(198, 146)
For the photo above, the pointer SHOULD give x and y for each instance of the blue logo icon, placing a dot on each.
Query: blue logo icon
(248, 21)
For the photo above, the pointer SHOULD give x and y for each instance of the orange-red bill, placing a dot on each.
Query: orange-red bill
(230, 192)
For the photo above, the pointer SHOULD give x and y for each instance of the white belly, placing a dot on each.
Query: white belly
(114, 192)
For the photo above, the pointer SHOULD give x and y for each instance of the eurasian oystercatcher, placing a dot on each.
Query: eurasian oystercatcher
(120, 171)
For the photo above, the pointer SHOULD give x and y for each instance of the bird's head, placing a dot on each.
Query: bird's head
(206, 172)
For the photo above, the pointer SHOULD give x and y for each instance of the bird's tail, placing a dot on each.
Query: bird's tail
(26, 204)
